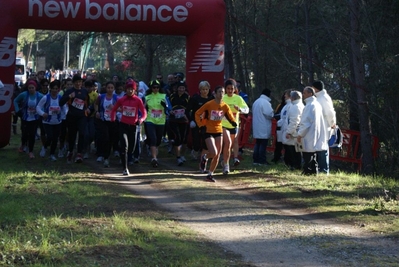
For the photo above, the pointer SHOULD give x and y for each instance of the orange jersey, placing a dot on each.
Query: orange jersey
(211, 115)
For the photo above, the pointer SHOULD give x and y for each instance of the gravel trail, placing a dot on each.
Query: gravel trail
(265, 233)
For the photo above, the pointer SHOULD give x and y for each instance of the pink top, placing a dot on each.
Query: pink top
(129, 107)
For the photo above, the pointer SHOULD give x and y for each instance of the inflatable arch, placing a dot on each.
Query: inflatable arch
(201, 21)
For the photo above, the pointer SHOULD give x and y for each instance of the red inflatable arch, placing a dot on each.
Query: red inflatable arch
(201, 21)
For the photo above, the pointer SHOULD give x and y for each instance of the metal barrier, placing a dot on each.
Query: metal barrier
(349, 152)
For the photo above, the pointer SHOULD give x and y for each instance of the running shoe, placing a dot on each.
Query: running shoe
(106, 163)
(86, 156)
(78, 158)
(154, 163)
(194, 154)
(100, 159)
(136, 160)
(31, 156)
(236, 162)
(226, 169)
(21, 149)
(42, 152)
(183, 158)
(61, 153)
(126, 172)
(179, 161)
(116, 154)
(53, 158)
(203, 162)
(202, 170)
(209, 178)
(69, 157)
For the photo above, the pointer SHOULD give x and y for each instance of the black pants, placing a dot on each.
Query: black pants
(28, 136)
(310, 165)
(128, 139)
(76, 125)
(107, 134)
(52, 134)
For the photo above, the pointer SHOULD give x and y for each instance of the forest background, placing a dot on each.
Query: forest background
(351, 45)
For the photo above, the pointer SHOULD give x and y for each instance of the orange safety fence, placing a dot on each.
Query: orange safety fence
(349, 152)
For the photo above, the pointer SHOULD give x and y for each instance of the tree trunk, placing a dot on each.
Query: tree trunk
(109, 61)
(359, 82)
(228, 46)
(149, 54)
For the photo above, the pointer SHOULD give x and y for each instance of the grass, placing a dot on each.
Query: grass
(54, 214)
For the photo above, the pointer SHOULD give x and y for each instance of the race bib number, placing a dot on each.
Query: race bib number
(179, 113)
(216, 115)
(107, 115)
(129, 111)
(156, 114)
(54, 110)
(31, 110)
(78, 103)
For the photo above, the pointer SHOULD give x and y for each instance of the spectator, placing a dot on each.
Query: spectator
(290, 127)
(312, 132)
(262, 115)
(323, 157)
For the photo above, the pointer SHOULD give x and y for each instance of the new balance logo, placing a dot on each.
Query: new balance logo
(210, 59)
(7, 51)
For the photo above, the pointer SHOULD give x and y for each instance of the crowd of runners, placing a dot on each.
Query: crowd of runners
(78, 116)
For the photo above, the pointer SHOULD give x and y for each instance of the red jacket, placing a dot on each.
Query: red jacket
(130, 107)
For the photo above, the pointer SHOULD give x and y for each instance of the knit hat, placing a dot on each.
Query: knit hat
(31, 82)
(131, 84)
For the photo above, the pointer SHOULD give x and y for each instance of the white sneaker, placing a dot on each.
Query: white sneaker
(236, 162)
(226, 169)
(53, 158)
(194, 154)
(116, 154)
(183, 158)
(126, 172)
(180, 161)
(42, 152)
(100, 159)
(86, 155)
(106, 163)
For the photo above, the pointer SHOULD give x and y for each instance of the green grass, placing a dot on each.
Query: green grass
(54, 214)
(67, 215)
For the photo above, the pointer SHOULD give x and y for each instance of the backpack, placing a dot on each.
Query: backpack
(336, 138)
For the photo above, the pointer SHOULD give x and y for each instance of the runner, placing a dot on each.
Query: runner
(157, 107)
(51, 111)
(209, 118)
(130, 105)
(237, 106)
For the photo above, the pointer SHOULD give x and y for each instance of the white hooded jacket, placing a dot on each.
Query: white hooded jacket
(292, 122)
(312, 127)
(282, 121)
(262, 115)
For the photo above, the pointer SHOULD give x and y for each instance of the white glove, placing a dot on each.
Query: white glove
(192, 124)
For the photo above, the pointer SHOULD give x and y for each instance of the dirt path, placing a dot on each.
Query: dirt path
(264, 232)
